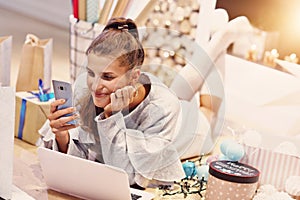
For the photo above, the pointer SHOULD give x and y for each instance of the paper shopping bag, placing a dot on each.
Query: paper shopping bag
(5, 60)
(36, 63)
(7, 118)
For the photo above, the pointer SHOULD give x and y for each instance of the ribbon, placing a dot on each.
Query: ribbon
(42, 97)
(43, 94)
(22, 118)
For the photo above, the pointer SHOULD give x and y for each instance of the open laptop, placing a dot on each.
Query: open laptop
(86, 179)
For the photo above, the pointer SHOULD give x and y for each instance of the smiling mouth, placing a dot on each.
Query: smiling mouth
(101, 95)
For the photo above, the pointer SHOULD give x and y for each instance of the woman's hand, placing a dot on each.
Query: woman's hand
(120, 100)
(59, 123)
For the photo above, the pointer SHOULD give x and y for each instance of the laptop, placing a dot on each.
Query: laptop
(86, 179)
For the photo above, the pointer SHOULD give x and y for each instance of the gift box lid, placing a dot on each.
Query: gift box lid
(234, 171)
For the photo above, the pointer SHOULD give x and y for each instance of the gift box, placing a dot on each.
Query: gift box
(231, 180)
(30, 115)
(276, 157)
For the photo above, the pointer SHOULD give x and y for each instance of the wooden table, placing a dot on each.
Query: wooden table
(27, 174)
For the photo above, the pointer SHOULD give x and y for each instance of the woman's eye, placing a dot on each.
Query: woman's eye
(90, 73)
(107, 77)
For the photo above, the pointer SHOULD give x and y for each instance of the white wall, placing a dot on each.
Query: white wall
(55, 12)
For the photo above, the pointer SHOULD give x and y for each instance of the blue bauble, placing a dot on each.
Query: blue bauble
(225, 144)
(189, 169)
(235, 152)
(223, 157)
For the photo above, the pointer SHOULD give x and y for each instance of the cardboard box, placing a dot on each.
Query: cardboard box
(30, 115)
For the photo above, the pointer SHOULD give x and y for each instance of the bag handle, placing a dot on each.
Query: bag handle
(32, 39)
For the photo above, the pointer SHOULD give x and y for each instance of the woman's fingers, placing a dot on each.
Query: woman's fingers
(59, 113)
(62, 123)
(64, 128)
(54, 104)
(122, 97)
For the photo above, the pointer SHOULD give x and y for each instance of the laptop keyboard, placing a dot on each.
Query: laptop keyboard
(135, 196)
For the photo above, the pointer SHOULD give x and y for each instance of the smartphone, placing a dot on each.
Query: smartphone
(63, 90)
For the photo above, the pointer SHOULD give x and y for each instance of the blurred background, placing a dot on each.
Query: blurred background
(50, 19)
(272, 16)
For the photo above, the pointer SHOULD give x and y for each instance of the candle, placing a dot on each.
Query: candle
(251, 55)
(291, 58)
(270, 57)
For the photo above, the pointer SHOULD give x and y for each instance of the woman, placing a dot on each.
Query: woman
(131, 120)
(128, 119)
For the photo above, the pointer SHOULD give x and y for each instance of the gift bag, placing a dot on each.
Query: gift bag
(5, 60)
(36, 63)
(7, 117)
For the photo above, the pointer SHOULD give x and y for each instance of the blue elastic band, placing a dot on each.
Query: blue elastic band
(22, 118)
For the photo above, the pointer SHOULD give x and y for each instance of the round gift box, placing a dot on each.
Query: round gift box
(231, 180)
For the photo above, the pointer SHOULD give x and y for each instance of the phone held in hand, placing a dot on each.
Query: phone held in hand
(63, 90)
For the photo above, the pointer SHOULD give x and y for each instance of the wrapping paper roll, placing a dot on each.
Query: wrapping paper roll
(92, 8)
(120, 8)
(105, 12)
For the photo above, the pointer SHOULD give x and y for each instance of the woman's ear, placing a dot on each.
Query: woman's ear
(135, 75)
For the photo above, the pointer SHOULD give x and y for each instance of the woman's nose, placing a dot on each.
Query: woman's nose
(97, 83)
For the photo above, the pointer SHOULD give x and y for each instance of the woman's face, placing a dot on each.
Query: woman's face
(105, 76)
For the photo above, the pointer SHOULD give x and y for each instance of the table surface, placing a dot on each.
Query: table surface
(27, 175)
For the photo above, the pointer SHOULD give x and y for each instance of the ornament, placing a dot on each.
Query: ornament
(202, 172)
(231, 150)
(235, 152)
(189, 169)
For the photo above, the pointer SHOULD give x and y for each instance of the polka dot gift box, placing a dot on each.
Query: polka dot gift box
(231, 180)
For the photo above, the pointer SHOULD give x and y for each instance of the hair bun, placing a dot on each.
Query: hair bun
(123, 24)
